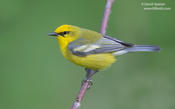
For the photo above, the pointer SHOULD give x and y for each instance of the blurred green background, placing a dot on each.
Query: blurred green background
(34, 74)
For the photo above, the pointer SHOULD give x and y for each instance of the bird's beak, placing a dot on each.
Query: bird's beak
(53, 34)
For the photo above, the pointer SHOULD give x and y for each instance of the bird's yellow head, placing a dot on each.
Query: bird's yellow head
(64, 28)
(66, 33)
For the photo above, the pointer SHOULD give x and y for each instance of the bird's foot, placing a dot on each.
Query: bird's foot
(90, 83)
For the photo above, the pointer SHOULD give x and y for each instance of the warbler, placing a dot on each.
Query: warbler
(90, 49)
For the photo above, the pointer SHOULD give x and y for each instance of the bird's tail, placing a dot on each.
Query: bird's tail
(135, 48)
(148, 48)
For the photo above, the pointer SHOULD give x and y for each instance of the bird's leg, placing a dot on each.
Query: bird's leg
(89, 74)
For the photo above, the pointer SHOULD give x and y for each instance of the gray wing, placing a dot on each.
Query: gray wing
(105, 44)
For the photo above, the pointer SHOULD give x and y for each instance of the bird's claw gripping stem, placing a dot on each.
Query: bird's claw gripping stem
(90, 83)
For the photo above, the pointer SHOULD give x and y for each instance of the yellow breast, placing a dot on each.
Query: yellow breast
(94, 61)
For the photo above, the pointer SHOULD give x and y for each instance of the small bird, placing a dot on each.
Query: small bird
(90, 49)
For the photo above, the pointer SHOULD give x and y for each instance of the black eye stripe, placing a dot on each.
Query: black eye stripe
(66, 32)
(63, 33)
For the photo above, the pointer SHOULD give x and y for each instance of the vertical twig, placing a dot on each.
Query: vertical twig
(85, 85)
(87, 81)
(106, 16)
(80, 96)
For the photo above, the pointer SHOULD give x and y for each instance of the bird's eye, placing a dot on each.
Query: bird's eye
(64, 33)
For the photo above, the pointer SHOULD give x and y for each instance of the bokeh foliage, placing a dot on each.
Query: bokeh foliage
(34, 74)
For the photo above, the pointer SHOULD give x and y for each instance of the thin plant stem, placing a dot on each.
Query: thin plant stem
(85, 85)
(106, 16)
(80, 96)
(87, 81)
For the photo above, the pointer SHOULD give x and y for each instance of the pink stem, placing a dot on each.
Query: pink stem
(86, 84)
(106, 16)
(80, 96)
